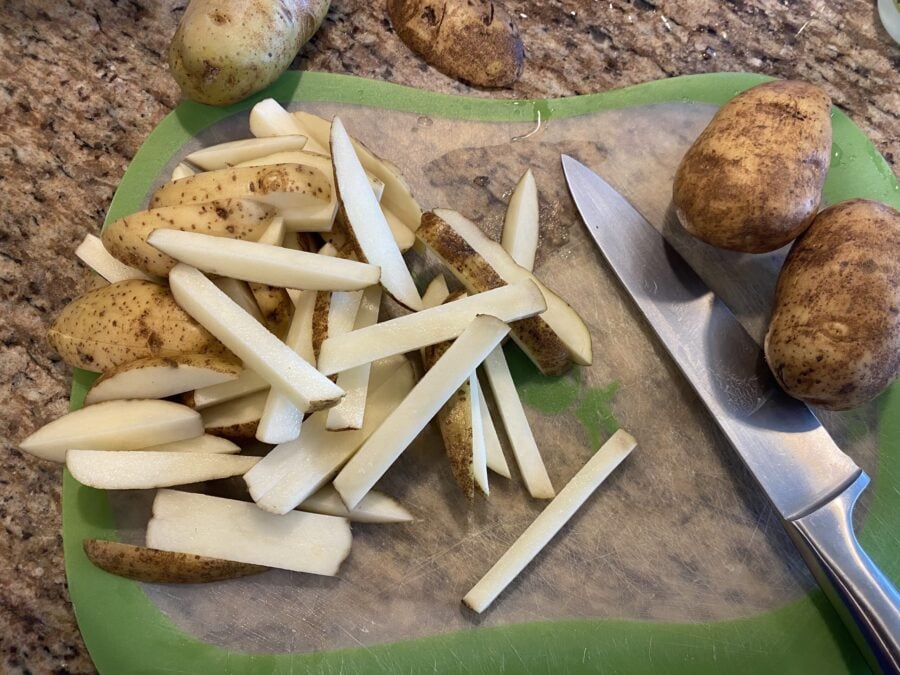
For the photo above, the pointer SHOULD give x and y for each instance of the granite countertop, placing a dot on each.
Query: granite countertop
(82, 84)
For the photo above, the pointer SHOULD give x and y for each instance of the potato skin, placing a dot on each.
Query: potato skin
(753, 179)
(834, 335)
(224, 51)
(126, 238)
(126, 321)
(474, 42)
(152, 565)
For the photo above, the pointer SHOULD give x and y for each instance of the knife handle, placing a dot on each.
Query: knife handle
(864, 597)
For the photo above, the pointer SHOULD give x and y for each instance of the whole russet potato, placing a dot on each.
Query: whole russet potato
(126, 321)
(834, 335)
(474, 41)
(753, 179)
(225, 50)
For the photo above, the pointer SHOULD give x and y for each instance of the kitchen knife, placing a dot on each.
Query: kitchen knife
(812, 484)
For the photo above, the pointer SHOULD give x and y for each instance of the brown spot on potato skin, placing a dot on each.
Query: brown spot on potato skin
(753, 179)
(834, 335)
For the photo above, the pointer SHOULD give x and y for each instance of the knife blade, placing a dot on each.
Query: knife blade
(807, 477)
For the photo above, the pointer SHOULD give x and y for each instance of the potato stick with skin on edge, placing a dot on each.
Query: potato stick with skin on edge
(264, 264)
(428, 327)
(524, 447)
(261, 351)
(384, 446)
(227, 529)
(281, 421)
(550, 521)
(268, 118)
(291, 472)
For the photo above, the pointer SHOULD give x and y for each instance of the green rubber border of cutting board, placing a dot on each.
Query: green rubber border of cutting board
(126, 633)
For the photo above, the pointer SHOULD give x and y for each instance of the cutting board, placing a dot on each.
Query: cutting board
(678, 564)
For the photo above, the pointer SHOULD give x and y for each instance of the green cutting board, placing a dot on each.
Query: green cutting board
(624, 619)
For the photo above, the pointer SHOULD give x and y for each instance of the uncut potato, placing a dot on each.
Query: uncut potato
(224, 51)
(753, 179)
(834, 336)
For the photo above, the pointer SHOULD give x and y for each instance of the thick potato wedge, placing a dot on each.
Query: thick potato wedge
(126, 321)
(154, 566)
(161, 377)
(834, 336)
(541, 337)
(752, 181)
(284, 186)
(126, 238)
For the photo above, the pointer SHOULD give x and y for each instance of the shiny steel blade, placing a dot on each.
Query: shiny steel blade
(782, 443)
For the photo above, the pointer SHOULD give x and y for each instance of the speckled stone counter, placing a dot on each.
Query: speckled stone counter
(83, 83)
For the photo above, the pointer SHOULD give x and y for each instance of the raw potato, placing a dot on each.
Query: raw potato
(114, 425)
(476, 43)
(834, 336)
(126, 238)
(552, 340)
(235, 419)
(126, 321)
(154, 566)
(223, 52)
(752, 181)
(223, 155)
(276, 307)
(397, 197)
(161, 377)
(455, 420)
(284, 186)
(93, 253)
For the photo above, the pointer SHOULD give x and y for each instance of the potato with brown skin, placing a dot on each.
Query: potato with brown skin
(224, 51)
(753, 179)
(126, 321)
(153, 566)
(834, 335)
(126, 238)
(475, 42)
